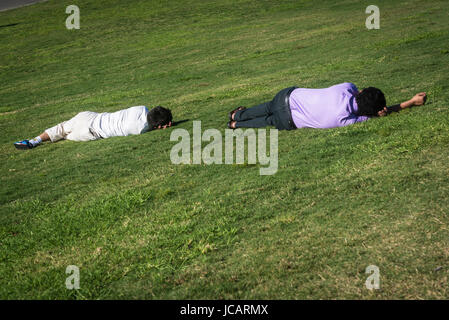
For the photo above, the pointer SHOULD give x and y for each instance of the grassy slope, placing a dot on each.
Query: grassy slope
(141, 227)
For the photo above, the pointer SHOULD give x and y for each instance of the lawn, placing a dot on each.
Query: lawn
(140, 227)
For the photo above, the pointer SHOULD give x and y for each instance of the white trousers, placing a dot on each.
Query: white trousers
(77, 129)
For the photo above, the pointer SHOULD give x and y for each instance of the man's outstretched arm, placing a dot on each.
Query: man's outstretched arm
(418, 100)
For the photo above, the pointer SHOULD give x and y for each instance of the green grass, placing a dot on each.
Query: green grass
(141, 227)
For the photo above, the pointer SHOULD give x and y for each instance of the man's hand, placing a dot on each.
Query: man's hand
(419, 99)
(166, 126)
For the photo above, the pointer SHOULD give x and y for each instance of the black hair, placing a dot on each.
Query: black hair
(370, 101)
(158, 116)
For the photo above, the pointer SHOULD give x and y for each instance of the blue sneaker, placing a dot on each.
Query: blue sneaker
(23, 145)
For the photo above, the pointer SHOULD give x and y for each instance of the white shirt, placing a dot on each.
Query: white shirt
(121, 123)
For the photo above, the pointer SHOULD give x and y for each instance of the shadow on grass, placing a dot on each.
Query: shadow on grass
(9, 25)
(175, 123)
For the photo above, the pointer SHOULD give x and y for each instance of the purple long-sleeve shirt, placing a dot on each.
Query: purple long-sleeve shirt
(325, 108)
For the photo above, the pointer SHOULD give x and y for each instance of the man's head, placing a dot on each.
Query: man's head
(370, 101)
(159, 117)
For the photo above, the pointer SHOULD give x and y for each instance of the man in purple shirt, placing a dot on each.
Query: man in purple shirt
(337, 106)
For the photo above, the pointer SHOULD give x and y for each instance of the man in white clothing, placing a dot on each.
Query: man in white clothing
(86, 126)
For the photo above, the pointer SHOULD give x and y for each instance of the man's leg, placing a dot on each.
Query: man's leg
(44, 137)
(39, 139)
(80, 127)
(274, 113)
(280, 108)
(260, 122)
(32, 143)
(261, 110)
(58, 132)
(77, 129)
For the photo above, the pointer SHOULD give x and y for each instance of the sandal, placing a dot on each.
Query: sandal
(230, 124)
(234, 111)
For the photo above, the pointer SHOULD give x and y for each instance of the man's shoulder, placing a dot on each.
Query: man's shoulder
(348, 85)
(347, 88)
(136, 110)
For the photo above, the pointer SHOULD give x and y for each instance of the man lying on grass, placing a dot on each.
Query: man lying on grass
(336, 106)
(87, 126)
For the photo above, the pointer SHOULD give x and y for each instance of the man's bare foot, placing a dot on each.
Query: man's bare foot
(232, 113)
(231, 124)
